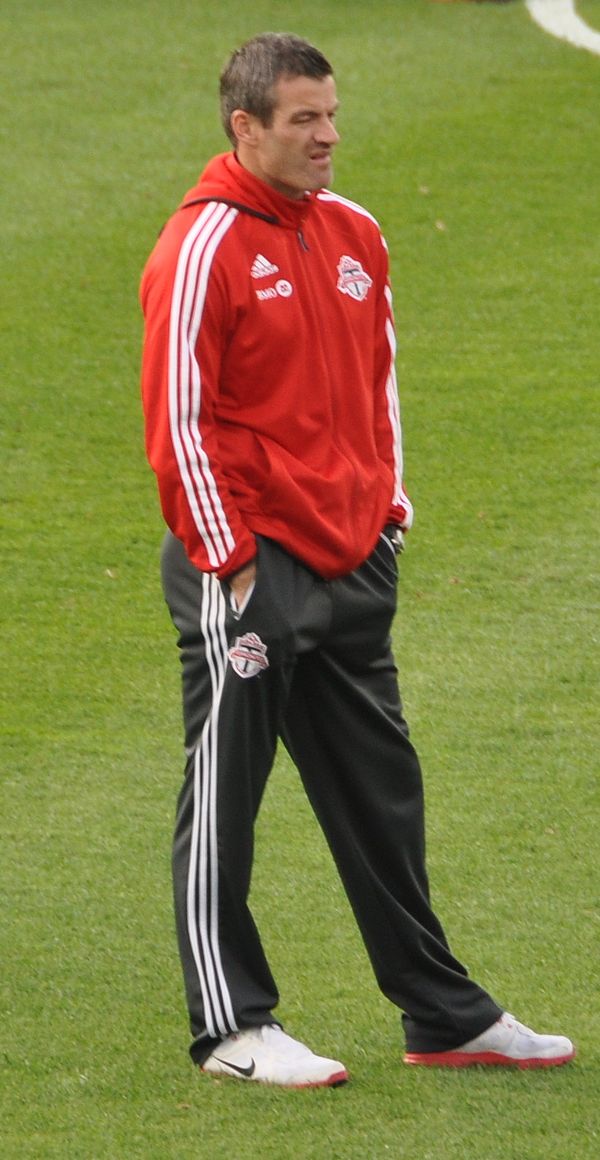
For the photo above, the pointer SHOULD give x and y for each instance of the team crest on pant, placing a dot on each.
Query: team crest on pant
(248, 655)
(353, 280)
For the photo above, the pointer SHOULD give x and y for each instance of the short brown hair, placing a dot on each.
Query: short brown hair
(248, 78)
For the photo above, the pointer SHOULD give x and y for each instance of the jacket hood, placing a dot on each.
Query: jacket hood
(224, 179)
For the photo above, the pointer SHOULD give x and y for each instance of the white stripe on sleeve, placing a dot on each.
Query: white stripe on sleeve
(185, 383)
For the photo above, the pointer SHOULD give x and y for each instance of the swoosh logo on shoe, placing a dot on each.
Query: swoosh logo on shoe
(246, 1071)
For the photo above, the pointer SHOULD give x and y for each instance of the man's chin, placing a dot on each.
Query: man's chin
(322, 178)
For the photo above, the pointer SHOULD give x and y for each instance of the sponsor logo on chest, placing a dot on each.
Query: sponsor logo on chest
(262, 267)
(281, 289)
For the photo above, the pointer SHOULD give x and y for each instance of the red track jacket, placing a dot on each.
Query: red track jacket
(268, 375)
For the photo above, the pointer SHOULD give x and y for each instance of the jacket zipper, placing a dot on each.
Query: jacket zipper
(302, 240)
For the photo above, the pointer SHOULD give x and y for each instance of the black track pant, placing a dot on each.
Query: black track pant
(309, 661)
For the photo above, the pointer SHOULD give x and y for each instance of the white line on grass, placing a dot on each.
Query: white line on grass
(560, 19)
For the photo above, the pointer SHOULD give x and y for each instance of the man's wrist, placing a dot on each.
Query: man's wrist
(241, 582)
(239, 574)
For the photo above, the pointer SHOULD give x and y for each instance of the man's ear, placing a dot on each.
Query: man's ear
(244, 126)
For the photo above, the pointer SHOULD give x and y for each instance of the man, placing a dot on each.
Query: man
(273, 427)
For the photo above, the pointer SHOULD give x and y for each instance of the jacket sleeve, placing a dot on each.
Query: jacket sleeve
(185, 309)
(388, 430)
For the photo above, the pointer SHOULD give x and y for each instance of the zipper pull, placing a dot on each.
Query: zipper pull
(302, 240)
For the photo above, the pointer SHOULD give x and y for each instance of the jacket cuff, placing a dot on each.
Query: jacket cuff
(401, 516)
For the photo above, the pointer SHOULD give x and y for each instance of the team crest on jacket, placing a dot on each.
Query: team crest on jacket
(248, 655)
(353, 280)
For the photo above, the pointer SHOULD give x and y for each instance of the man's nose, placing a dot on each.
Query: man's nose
(327, 132)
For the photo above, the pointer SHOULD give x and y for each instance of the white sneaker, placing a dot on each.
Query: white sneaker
(506, 1043)
(266, 1054)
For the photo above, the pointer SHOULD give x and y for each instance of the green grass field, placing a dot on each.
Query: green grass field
(473, 137)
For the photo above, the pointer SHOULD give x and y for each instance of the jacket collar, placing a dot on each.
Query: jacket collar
(224, 179)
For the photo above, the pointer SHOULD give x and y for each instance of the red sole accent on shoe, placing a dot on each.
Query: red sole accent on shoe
(487, 1058)
(338, 1079)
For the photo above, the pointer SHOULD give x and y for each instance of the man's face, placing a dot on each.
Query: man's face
(294, 153)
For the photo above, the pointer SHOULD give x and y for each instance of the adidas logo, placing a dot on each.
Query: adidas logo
(261, 267)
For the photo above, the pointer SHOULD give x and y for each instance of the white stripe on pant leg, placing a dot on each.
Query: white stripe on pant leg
(203, 887)
(191, 901)
(208, 868)
(217, 633)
